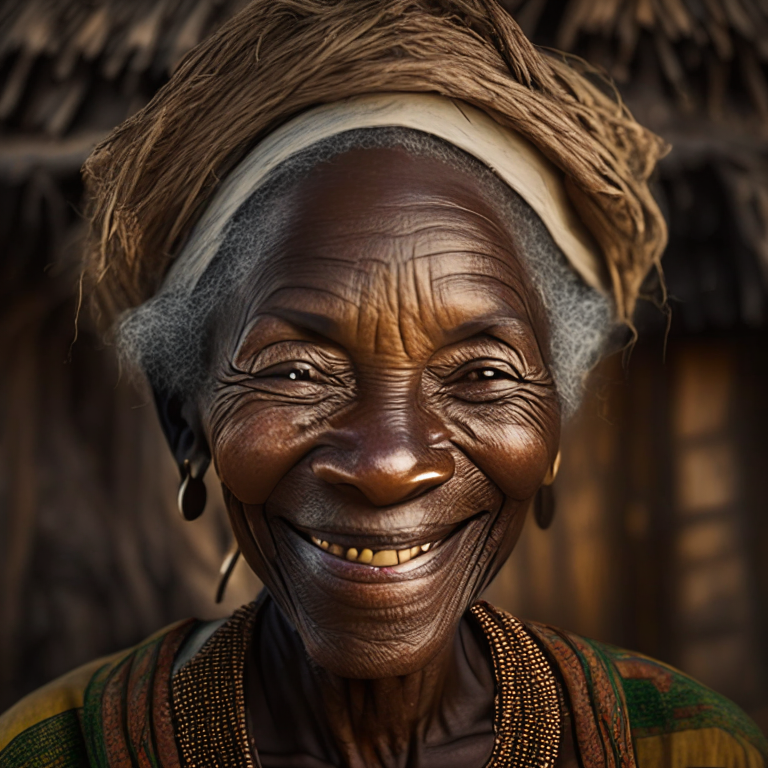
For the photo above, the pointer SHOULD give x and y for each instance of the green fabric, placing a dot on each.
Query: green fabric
(53, 743)
(123, 700)
(124, 720)
(92, 717)
(620, 697)
(663, 700)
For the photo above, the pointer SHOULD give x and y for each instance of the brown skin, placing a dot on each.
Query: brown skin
(383, 383)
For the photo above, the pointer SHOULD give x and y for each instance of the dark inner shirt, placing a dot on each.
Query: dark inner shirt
(285, 708)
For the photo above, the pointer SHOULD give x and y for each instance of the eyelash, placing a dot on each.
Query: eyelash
(292, 370)
(480, 365)
(488, 374)
(290, 361)
(297, 373)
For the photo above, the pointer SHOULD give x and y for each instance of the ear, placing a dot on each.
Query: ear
(183, 428)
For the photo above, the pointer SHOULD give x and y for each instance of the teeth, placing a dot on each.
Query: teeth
(366, 556)
(385, 557)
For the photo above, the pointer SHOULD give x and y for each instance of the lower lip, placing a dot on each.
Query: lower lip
(419, 567)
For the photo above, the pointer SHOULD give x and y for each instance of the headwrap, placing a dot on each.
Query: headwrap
(515, 160)
(150, 181)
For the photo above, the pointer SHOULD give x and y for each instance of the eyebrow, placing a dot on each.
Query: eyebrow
(318, 325)
(481, 326)
(329, 330)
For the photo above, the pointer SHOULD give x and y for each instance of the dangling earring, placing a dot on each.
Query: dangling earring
(544, 502)
(227, 566)
(192, 494)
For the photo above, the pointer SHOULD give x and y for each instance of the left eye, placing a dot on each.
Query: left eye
(487, 374)
(300, 374)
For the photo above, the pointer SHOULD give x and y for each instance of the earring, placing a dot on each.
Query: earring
(192, 494)
(544, 501)
(549, 478)
(227, 566)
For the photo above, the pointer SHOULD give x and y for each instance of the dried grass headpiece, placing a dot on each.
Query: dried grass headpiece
(149, 181)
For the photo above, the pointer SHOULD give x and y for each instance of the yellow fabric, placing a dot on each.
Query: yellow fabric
(701, 748)
(58, 696)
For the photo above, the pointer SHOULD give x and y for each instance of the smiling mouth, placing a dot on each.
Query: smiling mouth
(377, 558)
(376, 554)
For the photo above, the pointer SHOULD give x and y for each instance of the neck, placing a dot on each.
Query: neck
(298, 709)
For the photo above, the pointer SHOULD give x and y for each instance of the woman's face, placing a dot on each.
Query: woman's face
(382, 412)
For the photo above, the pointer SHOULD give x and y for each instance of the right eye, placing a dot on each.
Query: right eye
(293, 371)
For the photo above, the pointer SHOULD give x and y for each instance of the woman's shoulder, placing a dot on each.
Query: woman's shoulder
(673, 720)
(50, 726)
(673, 714)
(46, 722)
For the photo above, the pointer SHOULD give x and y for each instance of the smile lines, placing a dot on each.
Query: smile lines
(378, 559)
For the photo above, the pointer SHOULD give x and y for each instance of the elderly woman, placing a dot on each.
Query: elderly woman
(365, 253)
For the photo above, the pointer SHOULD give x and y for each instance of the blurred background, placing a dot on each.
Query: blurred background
(660, 539)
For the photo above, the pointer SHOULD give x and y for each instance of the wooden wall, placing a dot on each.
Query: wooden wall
(660, 538)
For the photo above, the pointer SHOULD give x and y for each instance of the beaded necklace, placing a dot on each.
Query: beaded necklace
(209, 696)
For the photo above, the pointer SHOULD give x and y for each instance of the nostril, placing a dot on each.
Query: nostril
(351, 491)
(415, 491)
(384, 477)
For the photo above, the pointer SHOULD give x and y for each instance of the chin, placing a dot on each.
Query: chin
(366, 622)
(389, 616)
(355, 657)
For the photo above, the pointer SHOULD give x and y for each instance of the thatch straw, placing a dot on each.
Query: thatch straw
(149, 181)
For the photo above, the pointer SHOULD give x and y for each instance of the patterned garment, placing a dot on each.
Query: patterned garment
(629, 711)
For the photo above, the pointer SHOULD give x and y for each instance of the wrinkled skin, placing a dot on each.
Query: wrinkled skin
(383, 383)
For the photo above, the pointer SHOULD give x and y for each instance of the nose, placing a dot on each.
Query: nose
(389, 460)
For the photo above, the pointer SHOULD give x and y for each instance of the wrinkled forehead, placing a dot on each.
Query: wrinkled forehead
(393, 252)
(384, 226)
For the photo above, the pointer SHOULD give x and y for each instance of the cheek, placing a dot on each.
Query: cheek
(514, 459)
(254, 449)
(514, 455)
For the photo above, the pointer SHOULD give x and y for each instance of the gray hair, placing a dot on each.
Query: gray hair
(168, 336)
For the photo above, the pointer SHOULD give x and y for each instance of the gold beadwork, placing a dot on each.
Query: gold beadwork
(527, 717)
(209, 696)
(209, 699)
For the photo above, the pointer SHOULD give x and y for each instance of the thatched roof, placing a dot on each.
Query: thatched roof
(710, 55)
(63, 57)
(695, 71)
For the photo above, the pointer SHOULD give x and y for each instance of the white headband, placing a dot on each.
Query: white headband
(514, 159)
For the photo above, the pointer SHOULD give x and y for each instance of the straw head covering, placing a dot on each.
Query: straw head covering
(149, 182)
